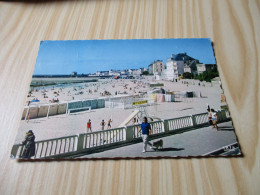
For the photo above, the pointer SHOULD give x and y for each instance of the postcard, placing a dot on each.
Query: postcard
(110, 99)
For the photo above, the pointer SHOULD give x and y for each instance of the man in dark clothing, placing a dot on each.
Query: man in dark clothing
(29, 145)
(146, 130)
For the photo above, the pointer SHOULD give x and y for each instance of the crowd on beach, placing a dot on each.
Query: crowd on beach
(86, 90)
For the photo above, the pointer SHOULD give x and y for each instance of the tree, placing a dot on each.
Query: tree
(208, 75)
(145, 73)
(187, 75)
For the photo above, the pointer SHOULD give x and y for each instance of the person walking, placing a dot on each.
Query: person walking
(28, 117)
(102, 124)
(109, 124)
(89, 126)
(214, 118)
(209, 116)
(146, 130)
(29, 145)
(135, 121)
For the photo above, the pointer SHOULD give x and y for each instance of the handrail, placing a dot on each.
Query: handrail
(59, 138)
(100, 131)
(53, 139)
(87, 141)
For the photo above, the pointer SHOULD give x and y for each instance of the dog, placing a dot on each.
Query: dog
(158, 144)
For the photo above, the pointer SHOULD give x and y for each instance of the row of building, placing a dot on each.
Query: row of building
(176, 65)
(120, 73)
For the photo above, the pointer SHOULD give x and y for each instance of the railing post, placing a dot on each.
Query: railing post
(219, 115)
(14, 151)
(227, 114)
(223, 112)
(193, 119)
(129, 133)
(80, 142)
(165, 126)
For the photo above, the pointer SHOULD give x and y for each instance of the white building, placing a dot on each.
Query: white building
(204, 67)
(138, 72)
(135, 72)
(150, 69)
(156, 67)
(201, 68)
(172, 72)
(114, 72)
(187, 68)
(175, 66)
(102, 73)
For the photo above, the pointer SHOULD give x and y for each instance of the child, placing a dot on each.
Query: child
(89, 126)
(214, 118)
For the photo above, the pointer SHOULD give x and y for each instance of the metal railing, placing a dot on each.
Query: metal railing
(77, 144)
(201, 119)
(179, 123)
(49, 148)
(101, 138)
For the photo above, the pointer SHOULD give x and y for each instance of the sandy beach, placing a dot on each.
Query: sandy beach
(64, 125)
(80, 91)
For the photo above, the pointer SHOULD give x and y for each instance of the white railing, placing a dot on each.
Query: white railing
(50, 147)
(157, 127)
(180, 123)
(101, 138)
(201, 118)
(77, 144)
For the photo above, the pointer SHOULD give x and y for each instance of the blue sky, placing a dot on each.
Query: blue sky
(89, 56)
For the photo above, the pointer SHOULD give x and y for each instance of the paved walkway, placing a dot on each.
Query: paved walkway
(192, 143)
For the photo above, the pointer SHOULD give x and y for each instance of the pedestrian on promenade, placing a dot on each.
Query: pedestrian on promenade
(109, 124)
(102, 124)
(28, 117)
(29, 145)
(209, 116)
(214, 118)
(89, 128)
(135, 121)
(146, 130)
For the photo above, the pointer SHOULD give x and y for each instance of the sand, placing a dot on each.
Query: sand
(65, 125)
(92, 90)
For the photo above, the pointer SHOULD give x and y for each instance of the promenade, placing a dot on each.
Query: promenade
(191, 143)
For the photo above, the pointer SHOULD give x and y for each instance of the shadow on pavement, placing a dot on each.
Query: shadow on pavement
(225, 129)
(170, 149)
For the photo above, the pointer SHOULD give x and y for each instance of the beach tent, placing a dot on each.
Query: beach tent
(154, 97)
(183, 94)
(75, 104)
(101, 103)
(33, 112)
(86, 103)
(189, 94)
(62, 108)
(196, 94)
(43, 110)
(53, 110)
(24, 113)
(93, 104)
(169, 98)
(160, 98)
